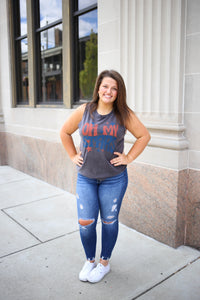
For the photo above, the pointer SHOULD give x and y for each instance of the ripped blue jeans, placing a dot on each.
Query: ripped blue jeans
(106, 196)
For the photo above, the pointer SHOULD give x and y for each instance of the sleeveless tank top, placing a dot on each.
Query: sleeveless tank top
(101, 136)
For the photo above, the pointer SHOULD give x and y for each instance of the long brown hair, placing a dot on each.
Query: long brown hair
(120, 106)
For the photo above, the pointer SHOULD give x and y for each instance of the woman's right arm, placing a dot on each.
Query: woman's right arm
(69, 127)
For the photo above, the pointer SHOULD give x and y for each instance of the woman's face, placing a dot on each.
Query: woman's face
(108, 90)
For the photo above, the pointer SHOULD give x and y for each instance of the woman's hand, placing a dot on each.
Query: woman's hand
(121, 159)
(77, 159)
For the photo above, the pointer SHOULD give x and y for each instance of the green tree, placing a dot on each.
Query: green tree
(87, 76)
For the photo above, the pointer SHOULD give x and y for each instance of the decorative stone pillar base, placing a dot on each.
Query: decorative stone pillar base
(193, 210)
(155, 203)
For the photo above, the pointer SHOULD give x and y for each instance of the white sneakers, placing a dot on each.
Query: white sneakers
(92, 274)
(87, 268)
(98, 273)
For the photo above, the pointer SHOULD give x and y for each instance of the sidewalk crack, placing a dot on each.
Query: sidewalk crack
(165, 279)
(32, 201)
(21, 225)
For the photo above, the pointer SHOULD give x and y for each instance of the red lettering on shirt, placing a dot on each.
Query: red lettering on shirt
(111, 130)
(89, 129)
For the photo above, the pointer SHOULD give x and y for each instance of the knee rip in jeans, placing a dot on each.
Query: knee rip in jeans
(85, 222)
(108, 222)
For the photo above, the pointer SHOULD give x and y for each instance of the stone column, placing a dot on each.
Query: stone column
(152, 62)
(152, 50)
(1, 112)
(2, 135)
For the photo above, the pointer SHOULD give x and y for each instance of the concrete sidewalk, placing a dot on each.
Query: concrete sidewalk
(41, 253)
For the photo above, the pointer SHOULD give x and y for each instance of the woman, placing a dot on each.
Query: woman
(102, 174)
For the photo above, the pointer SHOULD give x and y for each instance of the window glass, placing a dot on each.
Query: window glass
(87, 54)
(23, 17)
(47, 47)
(51, 38)
(21, 53)
(85, 3)
(87, 23)
(24, 71)
(50, 11)
(51, 65)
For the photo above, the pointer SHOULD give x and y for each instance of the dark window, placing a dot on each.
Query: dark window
(49, 54)
(54, 55)
(21, 52)
(85, 52)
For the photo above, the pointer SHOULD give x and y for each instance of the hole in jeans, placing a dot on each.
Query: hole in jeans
(114, 207)
(85, 222)
(110, 222)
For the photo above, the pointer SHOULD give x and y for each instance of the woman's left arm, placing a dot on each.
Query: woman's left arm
(143, 137)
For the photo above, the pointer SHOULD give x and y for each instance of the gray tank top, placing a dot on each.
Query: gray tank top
(101, 136)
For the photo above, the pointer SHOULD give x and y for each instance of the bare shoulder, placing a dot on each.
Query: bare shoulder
(132, 118)
(80, 109)
(71, 124)
(135, 126)
(77, 114)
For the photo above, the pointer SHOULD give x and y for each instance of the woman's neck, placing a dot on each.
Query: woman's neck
(104, 109)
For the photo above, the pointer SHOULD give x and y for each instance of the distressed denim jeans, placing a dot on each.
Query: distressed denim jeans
(104, 196)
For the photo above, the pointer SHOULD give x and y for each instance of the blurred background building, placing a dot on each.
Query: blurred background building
(50, 54)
